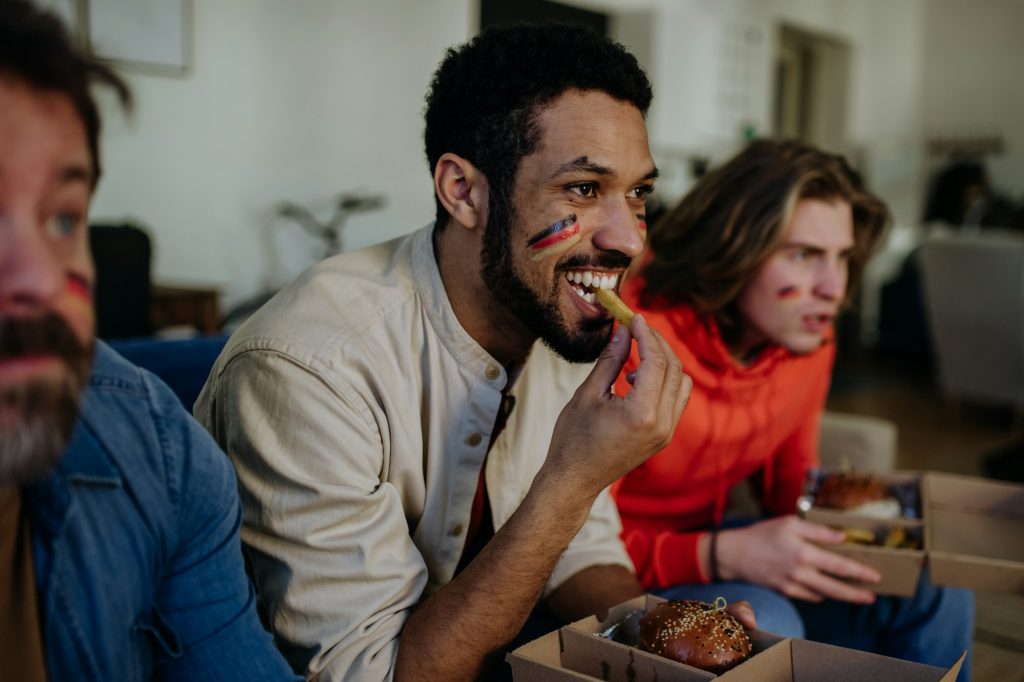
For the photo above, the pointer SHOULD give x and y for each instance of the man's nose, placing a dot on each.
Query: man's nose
(30, 273)
(618, 229)
(830, 282)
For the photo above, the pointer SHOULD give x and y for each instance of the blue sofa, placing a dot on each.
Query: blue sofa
(183, 364)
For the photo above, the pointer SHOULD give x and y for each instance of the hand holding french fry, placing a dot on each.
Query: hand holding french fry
(600, 436)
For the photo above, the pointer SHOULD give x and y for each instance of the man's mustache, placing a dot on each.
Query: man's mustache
(612, 260)
(48, 334)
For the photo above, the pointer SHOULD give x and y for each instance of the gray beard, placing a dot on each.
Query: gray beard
(36, 421)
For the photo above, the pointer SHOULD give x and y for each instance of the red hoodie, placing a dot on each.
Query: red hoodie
(763, 418)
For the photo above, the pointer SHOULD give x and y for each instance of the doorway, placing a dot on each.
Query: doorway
(811, 79)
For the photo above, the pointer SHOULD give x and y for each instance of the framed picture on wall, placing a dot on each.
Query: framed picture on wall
(154, 36)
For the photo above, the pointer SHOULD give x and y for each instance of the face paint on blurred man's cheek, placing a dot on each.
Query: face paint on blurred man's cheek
(555, 239)
(78, 287)
(787, 293)
(80, 294)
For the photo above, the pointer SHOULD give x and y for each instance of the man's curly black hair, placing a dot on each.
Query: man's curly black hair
(36, 49)
(485, 96)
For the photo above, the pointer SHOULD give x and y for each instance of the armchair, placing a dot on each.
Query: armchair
(974, 297)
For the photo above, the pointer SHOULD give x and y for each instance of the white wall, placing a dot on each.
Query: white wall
(712, 64)
(883, 119)
(973, 83)
(303, 99)
(293, 100)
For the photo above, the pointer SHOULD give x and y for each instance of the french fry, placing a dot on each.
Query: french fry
(897, 537)
(859, 536)
(613, 304)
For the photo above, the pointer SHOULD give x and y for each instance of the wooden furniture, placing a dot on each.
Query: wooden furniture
(174, 305)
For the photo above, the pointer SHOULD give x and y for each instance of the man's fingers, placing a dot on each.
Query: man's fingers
(815, 532)
(795, 590)
(646, 340)
(825, 573)
(843, 567)
(670, 393)
(677, 386)
(684, 396)
(610, 363)
(833, 588)
(650, 374)
(744, 613)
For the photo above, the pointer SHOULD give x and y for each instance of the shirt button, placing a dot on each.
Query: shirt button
(493, 372)
(473, 439)
(457, 530)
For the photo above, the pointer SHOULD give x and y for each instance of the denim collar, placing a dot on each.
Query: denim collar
(85, 462)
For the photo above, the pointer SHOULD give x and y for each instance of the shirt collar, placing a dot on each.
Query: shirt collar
(430, 286)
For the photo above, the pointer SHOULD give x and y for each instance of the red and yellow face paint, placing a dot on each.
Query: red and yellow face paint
(788, 293)
(79, 294)
(556, 239)
(641, 225)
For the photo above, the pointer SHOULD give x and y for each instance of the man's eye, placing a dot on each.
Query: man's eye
(584, 189)
(63, 224)
(641, 191)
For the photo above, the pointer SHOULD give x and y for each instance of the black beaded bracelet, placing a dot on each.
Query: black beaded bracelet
(713, 556)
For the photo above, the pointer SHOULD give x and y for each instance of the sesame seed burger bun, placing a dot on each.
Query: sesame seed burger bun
(695, 633)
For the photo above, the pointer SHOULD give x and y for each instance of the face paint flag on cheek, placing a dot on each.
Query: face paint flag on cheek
(80, 292)
(642, 226)
(786, 293)
(555, 239)
(78, 287)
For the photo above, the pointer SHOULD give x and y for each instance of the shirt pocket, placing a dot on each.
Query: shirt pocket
(153, 639)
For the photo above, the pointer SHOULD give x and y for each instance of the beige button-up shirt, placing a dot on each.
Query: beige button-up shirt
(358, 412)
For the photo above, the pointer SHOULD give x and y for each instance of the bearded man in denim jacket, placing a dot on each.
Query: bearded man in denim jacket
(119, 516)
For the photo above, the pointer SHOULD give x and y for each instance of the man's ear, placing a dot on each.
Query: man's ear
(462, 189)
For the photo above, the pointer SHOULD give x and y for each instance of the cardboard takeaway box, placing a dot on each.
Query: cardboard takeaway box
(972, 531)
(578, 653)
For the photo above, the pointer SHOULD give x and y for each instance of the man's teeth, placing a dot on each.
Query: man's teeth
(594, 280)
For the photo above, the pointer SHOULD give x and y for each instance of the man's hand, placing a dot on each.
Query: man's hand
(743, 612)
(783, 554)
(599, 436)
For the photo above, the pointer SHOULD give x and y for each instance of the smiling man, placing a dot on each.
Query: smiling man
(119, 516)
(419, 462)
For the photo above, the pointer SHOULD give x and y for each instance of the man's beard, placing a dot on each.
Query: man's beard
(37, 416)
(541, 315)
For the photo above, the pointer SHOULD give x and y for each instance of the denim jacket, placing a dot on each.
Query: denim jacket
(138, 563)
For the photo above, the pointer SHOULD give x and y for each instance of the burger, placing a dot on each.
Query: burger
(695, 633)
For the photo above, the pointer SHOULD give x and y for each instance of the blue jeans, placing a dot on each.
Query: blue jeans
(933, 627)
